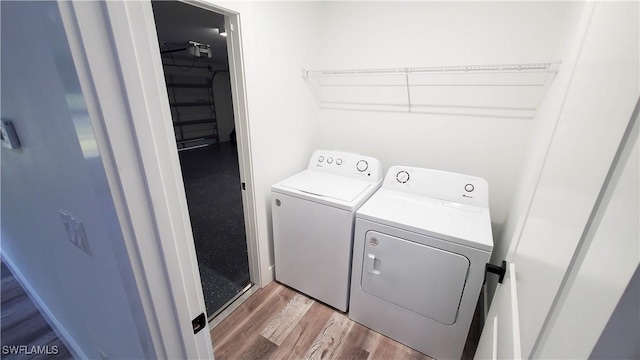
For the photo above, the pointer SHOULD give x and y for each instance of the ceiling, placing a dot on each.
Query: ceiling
(178, 23)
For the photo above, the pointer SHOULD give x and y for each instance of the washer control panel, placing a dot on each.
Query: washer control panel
(346, 164)
(444, 185)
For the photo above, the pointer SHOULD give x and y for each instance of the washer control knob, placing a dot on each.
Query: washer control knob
(329, 160)
(320, 158)
(402, 176)
(338, 161)
(362, 165)
(469, 188)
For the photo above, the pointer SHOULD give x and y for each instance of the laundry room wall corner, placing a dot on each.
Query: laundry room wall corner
(278, 39)
(373, 35)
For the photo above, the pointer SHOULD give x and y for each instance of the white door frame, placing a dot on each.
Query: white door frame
(115, 49)
(241, 119)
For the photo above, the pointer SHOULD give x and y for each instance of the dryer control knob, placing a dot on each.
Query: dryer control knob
(362, 165)
(469, 187)
(338, 161)
(329, 160)
(320, 158)
(402, 176)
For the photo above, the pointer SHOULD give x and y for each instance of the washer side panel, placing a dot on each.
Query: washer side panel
(312, 248)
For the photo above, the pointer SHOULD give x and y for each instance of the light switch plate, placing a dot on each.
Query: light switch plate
(75, 231)
(8, 135)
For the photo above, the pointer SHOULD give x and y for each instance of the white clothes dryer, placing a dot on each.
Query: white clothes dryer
(313, 214)
(421, 243)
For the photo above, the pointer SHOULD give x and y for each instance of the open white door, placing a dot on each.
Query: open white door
(503, 323)
(114, 48)
(592, 111)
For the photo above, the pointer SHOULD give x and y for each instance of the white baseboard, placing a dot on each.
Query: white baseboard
(62, 333)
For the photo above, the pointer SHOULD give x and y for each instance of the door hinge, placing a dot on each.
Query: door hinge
(244, 186)
(199, 323)
(495, 269)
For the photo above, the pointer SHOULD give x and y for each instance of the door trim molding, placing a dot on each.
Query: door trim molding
(243, 133)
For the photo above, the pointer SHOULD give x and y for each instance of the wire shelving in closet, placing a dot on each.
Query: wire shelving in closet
(497, 90)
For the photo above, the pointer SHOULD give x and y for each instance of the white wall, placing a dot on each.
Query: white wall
(59, 167)
(407, 34)
(279, 39)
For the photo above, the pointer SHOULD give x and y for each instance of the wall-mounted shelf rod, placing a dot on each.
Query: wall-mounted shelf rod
(512, 68)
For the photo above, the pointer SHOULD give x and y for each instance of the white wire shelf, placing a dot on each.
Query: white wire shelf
(499, 90)
(519, 68)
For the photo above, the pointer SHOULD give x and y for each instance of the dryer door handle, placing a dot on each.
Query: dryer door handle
(372, 264)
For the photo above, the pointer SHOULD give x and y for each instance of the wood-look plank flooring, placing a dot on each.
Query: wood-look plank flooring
(279, 323)
(23, 325)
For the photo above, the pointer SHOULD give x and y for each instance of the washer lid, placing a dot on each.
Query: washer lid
(327, 185)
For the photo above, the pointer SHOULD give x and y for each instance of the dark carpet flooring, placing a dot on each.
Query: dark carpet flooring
(212, 184)
(23, 325)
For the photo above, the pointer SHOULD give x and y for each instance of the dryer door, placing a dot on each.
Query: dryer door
(420, 278)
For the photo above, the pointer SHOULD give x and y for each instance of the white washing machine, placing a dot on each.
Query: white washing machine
(313, 215)
(420, 248)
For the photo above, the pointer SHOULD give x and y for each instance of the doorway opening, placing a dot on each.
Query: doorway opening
(193, 48)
